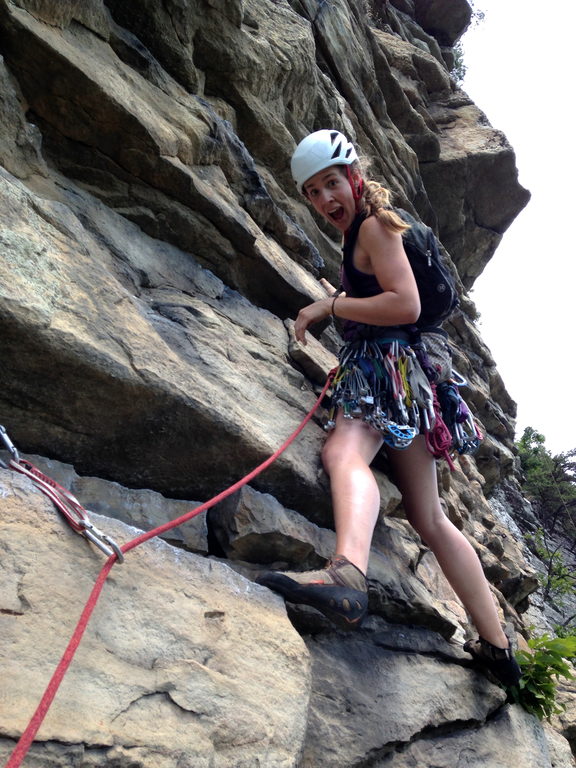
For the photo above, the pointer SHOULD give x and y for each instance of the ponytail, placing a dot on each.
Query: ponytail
(375, 201)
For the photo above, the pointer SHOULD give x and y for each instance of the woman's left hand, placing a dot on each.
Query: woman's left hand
(309, 315)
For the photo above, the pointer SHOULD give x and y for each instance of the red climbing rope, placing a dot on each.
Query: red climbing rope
(74, 513)
(25, 741)
(439, 438)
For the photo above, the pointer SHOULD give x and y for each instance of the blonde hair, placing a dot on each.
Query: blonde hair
(375, 201)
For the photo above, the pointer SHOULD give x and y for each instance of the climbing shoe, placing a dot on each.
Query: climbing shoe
(500, 662)
(339, 591)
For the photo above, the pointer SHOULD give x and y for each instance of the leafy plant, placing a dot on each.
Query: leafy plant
(541, 670)
(458, 71)
(550, 481)
(567, 627)
(558, 580)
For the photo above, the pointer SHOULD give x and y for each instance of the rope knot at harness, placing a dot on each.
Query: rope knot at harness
(439, 437)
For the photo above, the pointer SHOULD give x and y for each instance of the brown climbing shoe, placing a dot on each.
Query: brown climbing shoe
(339, 591)
(500, 662)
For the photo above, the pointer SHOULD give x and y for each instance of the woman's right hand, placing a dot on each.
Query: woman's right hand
(310, 315)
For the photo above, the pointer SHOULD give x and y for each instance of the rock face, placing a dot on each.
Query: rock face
(218, 675)
(154, 255)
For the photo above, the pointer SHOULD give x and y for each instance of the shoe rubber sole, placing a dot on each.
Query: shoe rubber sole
(507, 672)
(344, 606)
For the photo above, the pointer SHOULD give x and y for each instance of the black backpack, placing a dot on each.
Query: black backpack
(437, 288)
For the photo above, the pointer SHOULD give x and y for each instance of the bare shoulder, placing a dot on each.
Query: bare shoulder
(374, 235)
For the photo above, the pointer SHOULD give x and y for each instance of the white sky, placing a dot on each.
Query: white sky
(520, 72)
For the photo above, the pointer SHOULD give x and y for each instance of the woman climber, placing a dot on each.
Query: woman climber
(380, 397)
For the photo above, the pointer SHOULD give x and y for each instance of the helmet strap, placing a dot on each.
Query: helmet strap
(356, 184)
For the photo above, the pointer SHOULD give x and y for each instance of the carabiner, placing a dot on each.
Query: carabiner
(101, 540)
(9, 444)
(458, 379)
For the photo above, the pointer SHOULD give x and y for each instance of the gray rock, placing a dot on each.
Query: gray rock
(139, 508)
(255, 527)
(498, 745)
(367, 700)
(154, 256)
(176, 640)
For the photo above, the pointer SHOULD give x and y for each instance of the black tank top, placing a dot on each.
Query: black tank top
(356, 283)
(361, 285)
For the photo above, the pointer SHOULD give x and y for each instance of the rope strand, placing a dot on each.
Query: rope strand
(439, 438)
(25, 741)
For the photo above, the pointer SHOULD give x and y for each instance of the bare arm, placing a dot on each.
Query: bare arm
(378, 252)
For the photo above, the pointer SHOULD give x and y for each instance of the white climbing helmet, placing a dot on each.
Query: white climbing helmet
(320, 150)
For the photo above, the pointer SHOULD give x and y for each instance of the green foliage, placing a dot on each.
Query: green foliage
(538, 466)
(478, 16)
(558, 580)
(541, 670)
(550, 481)
(566, 629)
(458, 71)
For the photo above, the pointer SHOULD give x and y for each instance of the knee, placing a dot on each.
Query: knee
(330, 453)
(431, 524)
(336, 453)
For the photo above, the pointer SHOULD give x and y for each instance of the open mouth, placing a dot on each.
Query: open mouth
(336, 215)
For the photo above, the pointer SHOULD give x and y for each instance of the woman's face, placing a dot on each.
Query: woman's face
(330, 193)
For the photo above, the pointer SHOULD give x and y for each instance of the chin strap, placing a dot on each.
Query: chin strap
(356, 184)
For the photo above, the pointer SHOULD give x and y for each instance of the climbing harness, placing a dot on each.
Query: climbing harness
(381, 383)
(402, 391)
(457, 415)
(74, 513)
(24, 743)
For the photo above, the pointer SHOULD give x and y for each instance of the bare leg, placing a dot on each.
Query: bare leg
(347, 455)
(415, 475)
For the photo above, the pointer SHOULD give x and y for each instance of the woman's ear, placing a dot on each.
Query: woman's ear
(356, 182)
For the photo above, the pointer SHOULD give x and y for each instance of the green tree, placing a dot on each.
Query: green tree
(458, 70)
(559, 579)
(550, 481)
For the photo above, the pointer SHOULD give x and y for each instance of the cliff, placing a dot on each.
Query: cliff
(155, 252)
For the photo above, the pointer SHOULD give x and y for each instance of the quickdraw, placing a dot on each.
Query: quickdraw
(374, 383)
(393, 388)
(26, 739)
(64, 501)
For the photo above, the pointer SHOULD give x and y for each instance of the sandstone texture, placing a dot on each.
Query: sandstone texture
(154, 256)
(218, 675)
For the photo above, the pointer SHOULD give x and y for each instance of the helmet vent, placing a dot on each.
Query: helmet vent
(320, 150)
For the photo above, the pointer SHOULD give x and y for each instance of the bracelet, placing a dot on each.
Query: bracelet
(334, 302)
